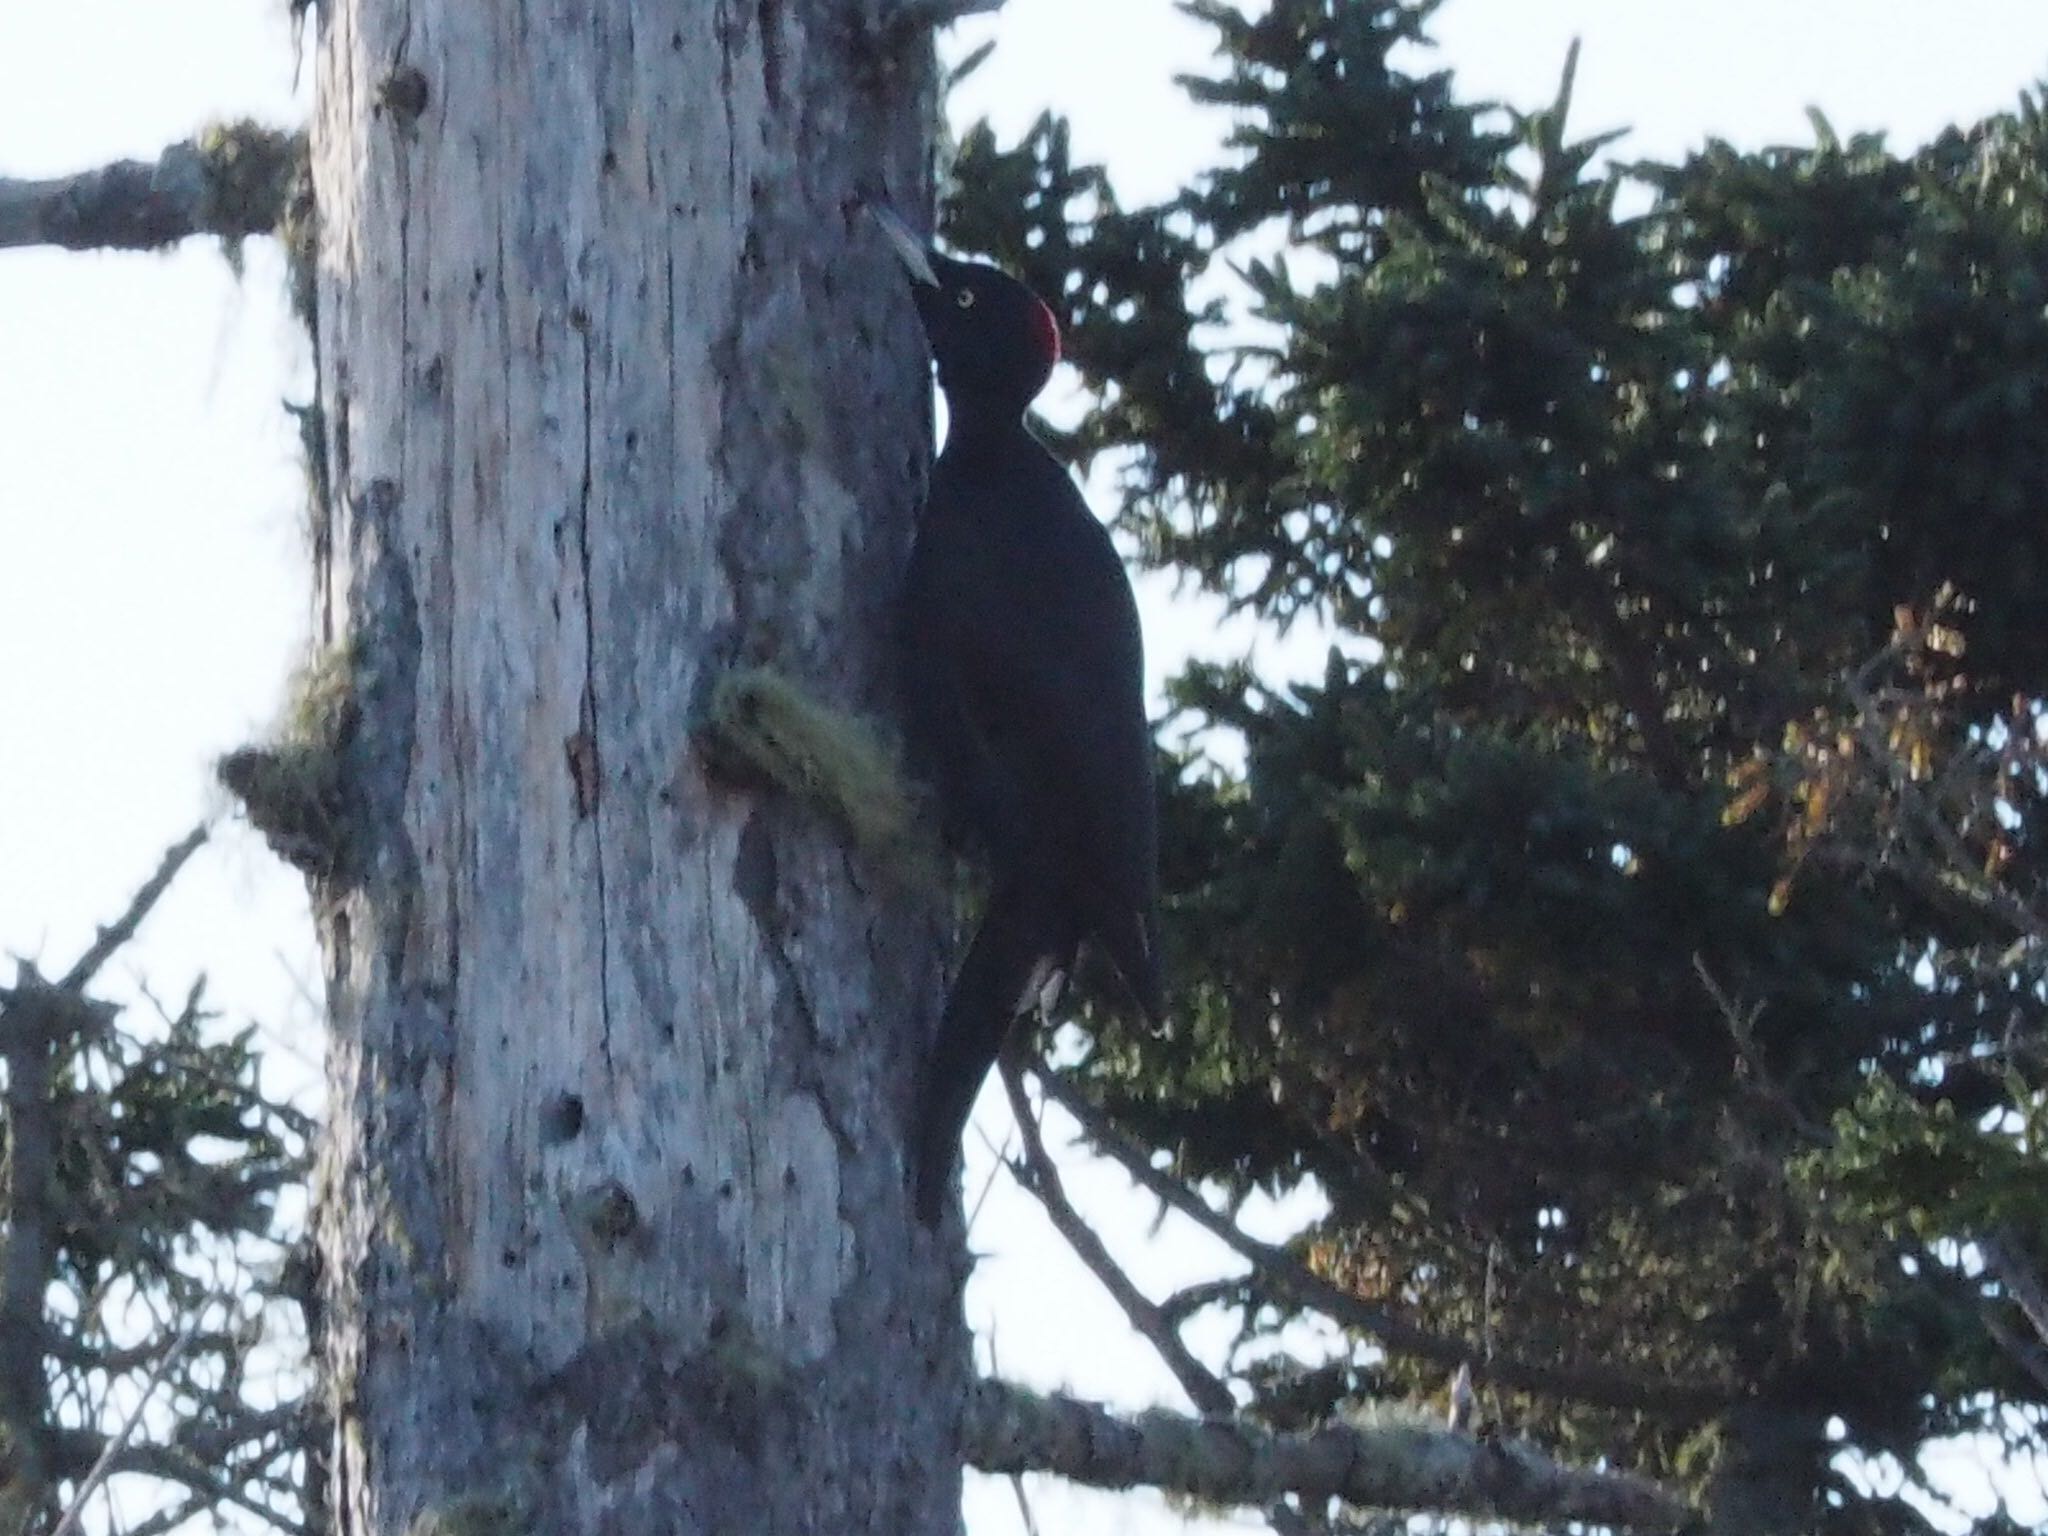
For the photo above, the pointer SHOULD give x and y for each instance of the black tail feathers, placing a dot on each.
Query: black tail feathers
(1015, 950)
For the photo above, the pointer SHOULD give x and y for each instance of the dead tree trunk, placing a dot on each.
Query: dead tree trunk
(619, 396)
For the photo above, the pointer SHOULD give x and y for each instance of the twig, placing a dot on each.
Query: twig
(1963, 864)
(1024, 1512)
(122, 929)
(213, 1485)
(248, 1430)
(1280, 1271)
(119, 1362)
(988, 1185)
(1042, 1179)
(168, 1519)
(2028, 1356)
(2022, 1282)
(1742, 1029)
(1156, 1324)
(1190, 1299)
(119, 1443)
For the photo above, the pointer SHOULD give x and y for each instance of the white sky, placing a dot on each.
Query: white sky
(152, 579)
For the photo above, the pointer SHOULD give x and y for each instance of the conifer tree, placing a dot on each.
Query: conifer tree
(1636, 932)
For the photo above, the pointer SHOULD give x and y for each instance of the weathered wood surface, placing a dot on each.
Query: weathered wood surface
(619, 393)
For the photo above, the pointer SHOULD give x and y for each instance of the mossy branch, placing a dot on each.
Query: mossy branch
(763, 728)
(295, 787)
(905, 16)
(232, 179)
(503, 1512)
(1008, 1429)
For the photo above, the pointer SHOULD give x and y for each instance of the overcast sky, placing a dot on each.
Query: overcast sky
(152, 571)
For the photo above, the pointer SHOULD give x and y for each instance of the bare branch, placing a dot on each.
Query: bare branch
(1042, 1179)
(1184, 1303)
(232, 180)
(1156, 1324)
(81, 1356)
(212, 1488)
(122, 1437)
(168, 1519)
(2019, 1278)
(1741, 1024)
(1008, 1429)
(1024, 1511)
(1282, 1273)
(1965, 867)
(2027, 1355)
(122, 929)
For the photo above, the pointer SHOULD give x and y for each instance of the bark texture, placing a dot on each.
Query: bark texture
(33, 1017)
(619, 395)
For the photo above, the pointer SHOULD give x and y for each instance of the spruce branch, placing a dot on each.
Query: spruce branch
(62, 1159)
(1280, 1272)
(103, 1467)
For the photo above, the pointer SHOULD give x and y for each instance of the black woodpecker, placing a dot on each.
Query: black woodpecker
(1024, 682)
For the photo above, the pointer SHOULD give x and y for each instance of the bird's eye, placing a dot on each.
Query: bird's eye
(964, 298)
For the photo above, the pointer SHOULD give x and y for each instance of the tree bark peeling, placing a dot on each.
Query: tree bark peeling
(619, 397)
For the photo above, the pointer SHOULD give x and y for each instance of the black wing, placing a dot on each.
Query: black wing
(1026, 673)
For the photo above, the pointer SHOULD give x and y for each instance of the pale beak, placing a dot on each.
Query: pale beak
(910, 250)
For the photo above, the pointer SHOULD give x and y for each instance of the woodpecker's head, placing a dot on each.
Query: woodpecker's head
(994, 340)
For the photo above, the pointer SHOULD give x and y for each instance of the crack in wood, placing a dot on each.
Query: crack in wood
(588, 784)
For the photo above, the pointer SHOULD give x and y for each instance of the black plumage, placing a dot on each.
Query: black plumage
(1024, 683)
